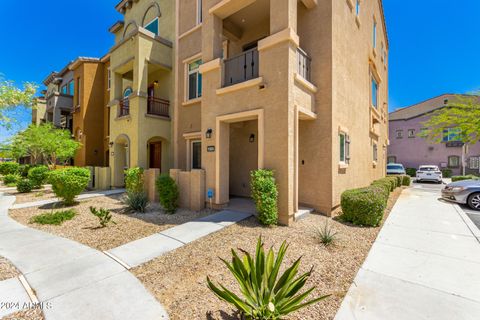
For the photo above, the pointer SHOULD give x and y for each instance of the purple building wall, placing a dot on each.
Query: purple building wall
(415, 151)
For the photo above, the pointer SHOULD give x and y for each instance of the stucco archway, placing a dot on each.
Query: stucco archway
(153, 11)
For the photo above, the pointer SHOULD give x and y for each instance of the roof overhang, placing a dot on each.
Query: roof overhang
(80, 60)
(123, 5)
(116, 27)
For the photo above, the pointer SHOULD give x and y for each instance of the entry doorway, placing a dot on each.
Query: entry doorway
(155, 155)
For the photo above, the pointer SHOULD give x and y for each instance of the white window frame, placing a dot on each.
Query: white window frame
(346, 148)
(374, 33)
(187, 79)
(374, 79)
(454, 157)
(411, 131)
(158, 26)
(199, 12)
(474, 163)
(399, 134)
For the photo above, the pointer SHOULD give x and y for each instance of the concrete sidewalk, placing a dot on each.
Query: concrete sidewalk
(83, 196)
(425, 264)
(73, 280)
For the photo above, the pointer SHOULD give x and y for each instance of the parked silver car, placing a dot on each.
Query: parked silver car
(395, 168)
(464, 192)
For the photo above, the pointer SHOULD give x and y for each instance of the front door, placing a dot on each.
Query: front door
(156, 155)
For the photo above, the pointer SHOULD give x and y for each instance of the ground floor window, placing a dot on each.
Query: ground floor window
(474, 163)
(196, 154)
(453, 161)
(344, 141)
(375, 152)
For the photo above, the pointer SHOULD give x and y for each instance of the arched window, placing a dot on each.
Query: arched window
(152, 26)
(150, 18)
(127, 92)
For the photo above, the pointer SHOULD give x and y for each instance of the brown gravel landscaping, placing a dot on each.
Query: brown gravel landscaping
(35, 195)
(178, 279)
(7, 270)
(31, 314)
(84, 227)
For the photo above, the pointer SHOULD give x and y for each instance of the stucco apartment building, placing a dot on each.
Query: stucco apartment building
(407, 148)
(300, 87)
(59, 98)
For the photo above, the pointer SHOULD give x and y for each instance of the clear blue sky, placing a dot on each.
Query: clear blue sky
(434, 44)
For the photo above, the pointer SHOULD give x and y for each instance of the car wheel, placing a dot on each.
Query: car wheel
(474, 201)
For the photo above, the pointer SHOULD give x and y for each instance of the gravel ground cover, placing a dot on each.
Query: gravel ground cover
(84, 227)
(178, 279)
(7, 270)
(31, 314)
(35, 195)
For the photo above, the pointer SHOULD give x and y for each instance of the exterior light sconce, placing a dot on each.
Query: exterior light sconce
(252, 138)
(110, 144)
(208, 133)
(155, 83)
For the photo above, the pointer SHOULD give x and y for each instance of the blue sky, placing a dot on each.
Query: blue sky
(434, 45)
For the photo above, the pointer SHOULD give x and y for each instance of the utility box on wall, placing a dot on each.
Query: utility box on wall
(191, 186)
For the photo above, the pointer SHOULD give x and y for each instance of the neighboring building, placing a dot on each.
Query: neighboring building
(59, 98)
(90, 112)
(300, 87)
(141, 87)
(39, 111)
(407, 148)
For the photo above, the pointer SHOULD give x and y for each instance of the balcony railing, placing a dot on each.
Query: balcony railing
(304, 63)
(158, 107)
(242, 67)
(124, 109)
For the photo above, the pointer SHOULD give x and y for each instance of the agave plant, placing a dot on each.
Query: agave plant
(265, 295)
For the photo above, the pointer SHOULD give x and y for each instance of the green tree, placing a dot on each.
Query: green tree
(44, 141)
(12, 97)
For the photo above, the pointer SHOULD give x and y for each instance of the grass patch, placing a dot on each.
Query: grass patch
(55, 218)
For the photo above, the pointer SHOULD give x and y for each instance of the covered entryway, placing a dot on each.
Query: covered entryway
(121, 159)
(157, 154)
(155, 150)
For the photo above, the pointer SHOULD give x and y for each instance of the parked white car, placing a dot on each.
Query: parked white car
(395, 168)
(429, 173)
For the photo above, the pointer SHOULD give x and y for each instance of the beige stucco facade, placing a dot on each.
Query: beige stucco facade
(278, 110)
(141, 88)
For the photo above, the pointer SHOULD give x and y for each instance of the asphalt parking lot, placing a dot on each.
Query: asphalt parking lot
(474, 215)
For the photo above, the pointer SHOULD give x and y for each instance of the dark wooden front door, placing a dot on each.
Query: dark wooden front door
(156, 155)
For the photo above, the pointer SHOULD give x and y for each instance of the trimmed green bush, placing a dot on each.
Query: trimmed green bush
(10, 179)
(23, 170)
(167, 193)
(384, 184)
(55, 218)
(406, 180)
(38, 176)
(460, 178)
(24, 185)
(394, 182)
(388, 181)
(69, 182)
(265, 195)
(134, 180)
(412, 172)
(8, 168)
(364, 206)
(398, 177)
(446, 173)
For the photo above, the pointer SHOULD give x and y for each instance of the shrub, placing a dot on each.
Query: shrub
(390, 183)
(10, 179)
(104, 216)
(265, 296)
(38, 176)
(446, 173)
(69, 182)
(136, 201)
(326, 235)
(134, 180)
(23, 170)
(55, 218)
(364, 206)
(460, 178)
(8, 168)
(406, 180)
(387, 185)
(399, 180)
(24, 185)
(412, 172)
(393, 181)
(167, 193)
(265, 194)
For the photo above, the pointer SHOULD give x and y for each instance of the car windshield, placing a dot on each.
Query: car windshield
(429, 168)
(394, 167)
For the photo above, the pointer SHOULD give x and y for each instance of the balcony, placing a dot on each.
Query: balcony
(158, 107)
(124, 107)
(304, 63)
(241, 68)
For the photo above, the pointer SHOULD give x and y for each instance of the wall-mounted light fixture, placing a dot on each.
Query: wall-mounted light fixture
(110, 144)
(155, 83)
(208, 133)
(252, 138)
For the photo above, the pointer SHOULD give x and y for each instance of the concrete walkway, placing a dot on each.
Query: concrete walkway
(83, 196)
(140, 251)
(425, 264)
(73, 280)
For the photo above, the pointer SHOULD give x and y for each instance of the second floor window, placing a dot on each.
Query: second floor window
(109, 79)
(199, 12)
(152, 26)
(77, 102)
(399, 134)
(451, 134)
(411, 133)
(374, 93)
(357, 8)
(71, 88)
(194, 80)
(374, 34)
(64, 89)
